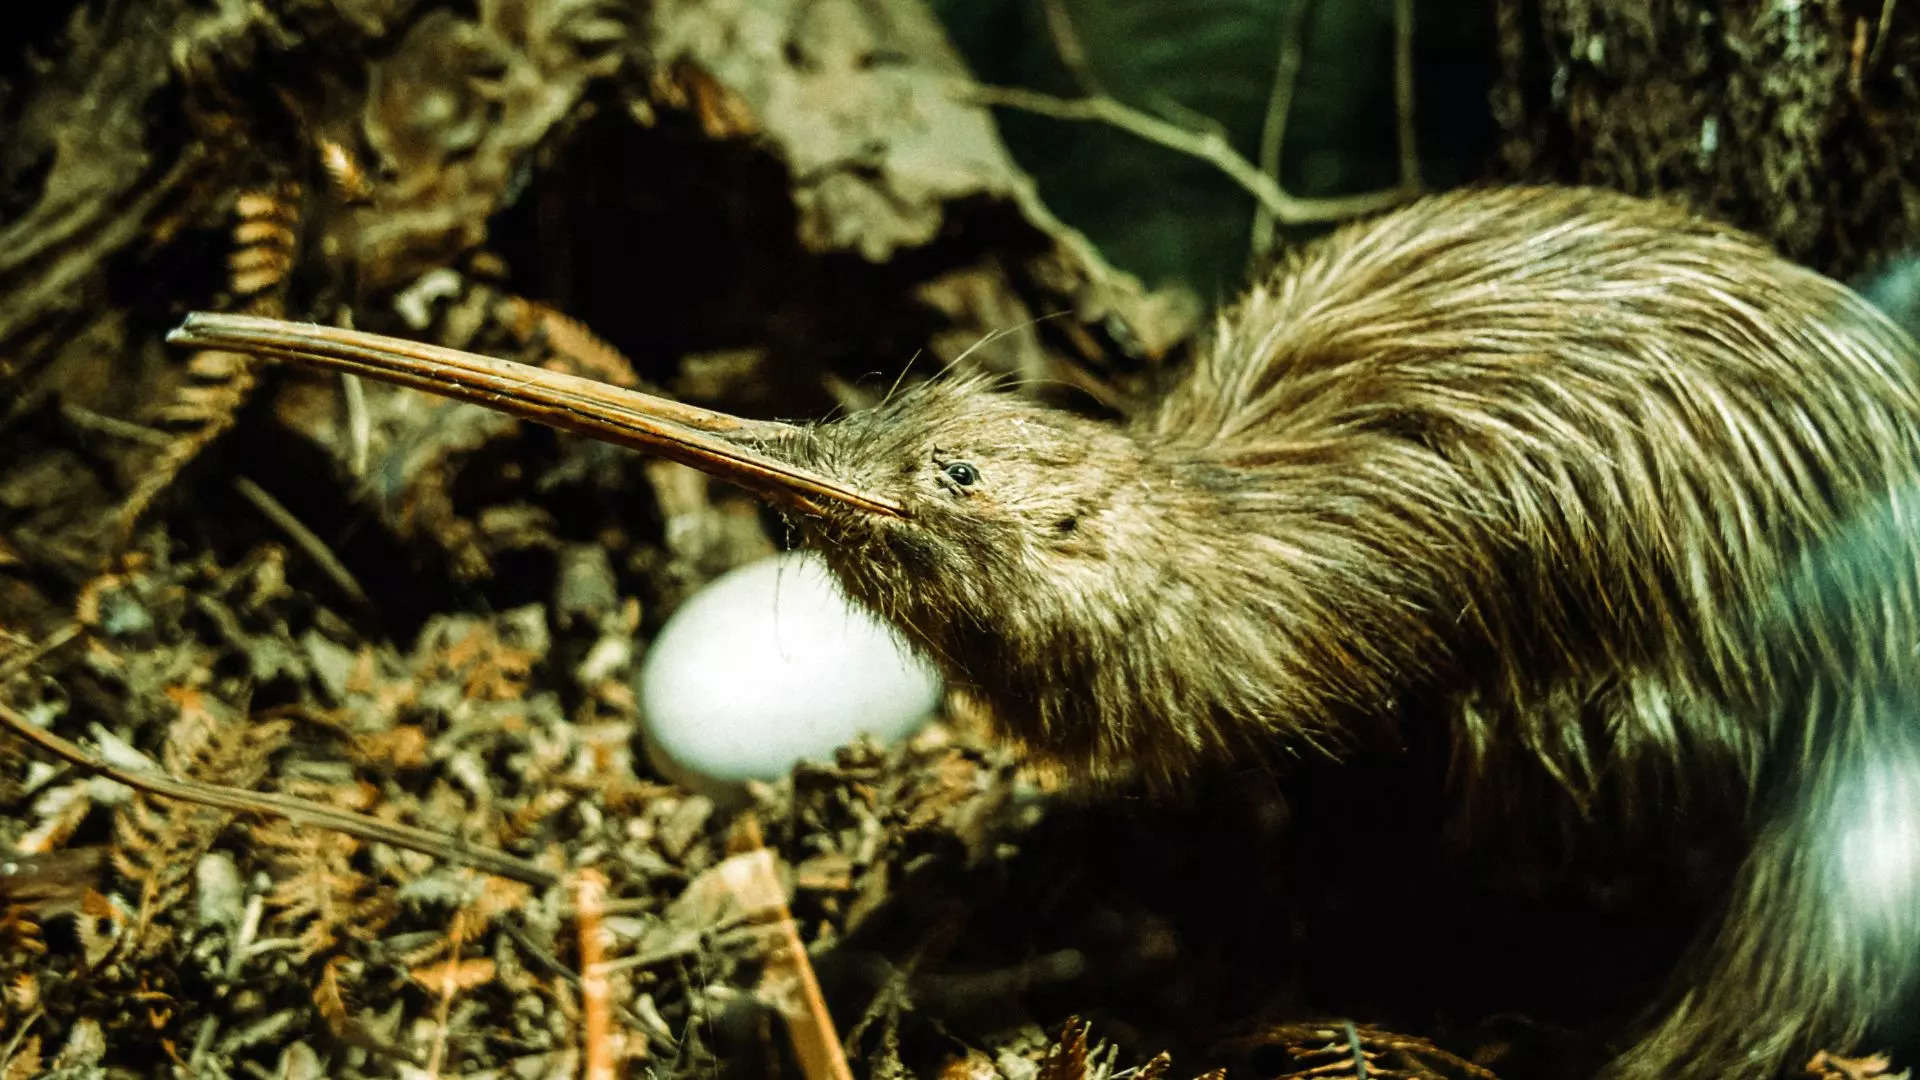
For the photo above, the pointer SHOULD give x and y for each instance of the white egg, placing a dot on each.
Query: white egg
(771, 664)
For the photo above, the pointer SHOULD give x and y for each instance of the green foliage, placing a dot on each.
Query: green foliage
(1210, 63)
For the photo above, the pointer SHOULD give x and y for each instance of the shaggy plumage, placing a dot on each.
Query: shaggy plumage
(1600, 486)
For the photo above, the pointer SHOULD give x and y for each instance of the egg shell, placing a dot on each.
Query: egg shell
(770, 665)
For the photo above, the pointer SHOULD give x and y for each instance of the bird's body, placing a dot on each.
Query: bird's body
(1628, 503)
(1621, 501)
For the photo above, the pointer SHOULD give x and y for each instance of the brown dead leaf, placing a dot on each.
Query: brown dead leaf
(100, 927)
(1156, 1067)
(1827, 1066)
(60, 811)
(828, 872)
(454, 976)
(401, 747)
(23, 993)
(49, 884)
(498, 896)
(25, 1064)
(364, 676)
(328, 1000)
(971, 1065)
(1067, 1058)
(192, 703)
(491, 670)
(722, 113)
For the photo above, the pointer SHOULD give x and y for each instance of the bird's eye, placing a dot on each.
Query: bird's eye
(962, 473)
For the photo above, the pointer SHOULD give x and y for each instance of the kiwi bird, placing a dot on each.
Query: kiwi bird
(1616, 497)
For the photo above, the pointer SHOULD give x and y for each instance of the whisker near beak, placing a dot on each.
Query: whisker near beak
(701, 438)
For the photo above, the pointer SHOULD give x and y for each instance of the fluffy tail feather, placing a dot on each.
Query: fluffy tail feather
(1820, 938)
(1895, 289)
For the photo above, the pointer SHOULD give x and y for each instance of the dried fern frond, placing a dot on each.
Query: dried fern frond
(571, 344)
(1336, 1050)
(1075, 1055)
(330, 1002)
(1067, 1058)
(318, 896)
(265, 234)
(23, 992)
(157, 842)
(20, 934)
(473, 651)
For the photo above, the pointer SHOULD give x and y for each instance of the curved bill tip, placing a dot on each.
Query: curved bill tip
(184, 333)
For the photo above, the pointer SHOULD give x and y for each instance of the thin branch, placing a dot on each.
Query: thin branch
(589, 904)
(303, 538)
(359, 418)
(449, 986)
(32, 656)
(1066, 42)
(82, 417)
(19, 1035)
(789, 973)
(359, 425)
(298, 811)
(752, 878)
(1210, 147)
(1273, 132)
(1880, 32)
(1409, 144)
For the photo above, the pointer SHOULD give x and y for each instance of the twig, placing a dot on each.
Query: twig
(1066, 42)
(1172, 109)
(1409, 143)
(552, 966)
(202, 1044)
(299, 811)
(1880, 33)
(449, 985)
(1286, 75)
(32, 656)
(1208, 146)
(354, 391)
(590, 897)
(808, 1023)
(1857, 59)
(1273, 132)
(725, 935)
(359, 425)
(82, 417)
(13, 1044)
(303, 538)
(244, 936)
(753, 880)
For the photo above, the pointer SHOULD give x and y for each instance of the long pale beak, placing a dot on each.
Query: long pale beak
(679, 432)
